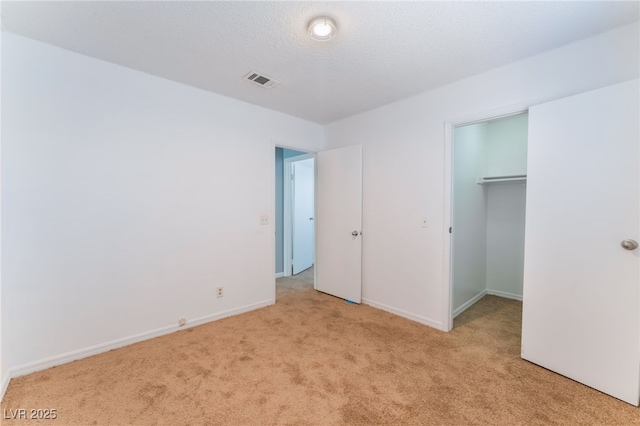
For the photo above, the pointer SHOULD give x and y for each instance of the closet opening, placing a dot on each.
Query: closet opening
(488, 195)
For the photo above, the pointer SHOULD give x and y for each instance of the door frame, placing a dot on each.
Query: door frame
(447, 245)
(287, 208)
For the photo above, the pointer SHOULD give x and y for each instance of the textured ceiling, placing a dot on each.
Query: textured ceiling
(383, 51)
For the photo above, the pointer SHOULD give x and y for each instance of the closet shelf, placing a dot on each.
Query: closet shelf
(485, 180)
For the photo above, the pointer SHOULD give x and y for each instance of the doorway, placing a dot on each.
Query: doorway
(299, 214)
(337, 223)
(488, 194)
(295, 198)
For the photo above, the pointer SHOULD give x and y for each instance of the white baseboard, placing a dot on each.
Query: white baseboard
(4, 384)
(408, 315)
(466, 305)
(279, 275)
(64, 358)
(505, 294)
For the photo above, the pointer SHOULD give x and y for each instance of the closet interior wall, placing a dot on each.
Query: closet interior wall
(488, 219)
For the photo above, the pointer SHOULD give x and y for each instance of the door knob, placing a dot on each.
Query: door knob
(356, 233)
(629, 244)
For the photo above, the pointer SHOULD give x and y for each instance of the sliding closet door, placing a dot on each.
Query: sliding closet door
(581, 312)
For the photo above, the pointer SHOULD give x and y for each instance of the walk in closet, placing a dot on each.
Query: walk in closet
(489, 191)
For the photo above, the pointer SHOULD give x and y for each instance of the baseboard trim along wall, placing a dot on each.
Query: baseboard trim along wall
(4, 385)
(466, 305)
(404, 314)
(505, 294)
(64, 358)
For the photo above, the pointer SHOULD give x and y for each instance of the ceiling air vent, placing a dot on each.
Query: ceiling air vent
(261, 80)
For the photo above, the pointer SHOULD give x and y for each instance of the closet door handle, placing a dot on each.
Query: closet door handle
(629, 244)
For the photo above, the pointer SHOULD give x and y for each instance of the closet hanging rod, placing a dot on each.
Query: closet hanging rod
(495, 179)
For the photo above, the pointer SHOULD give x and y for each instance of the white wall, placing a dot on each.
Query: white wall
(127, 200)
(279, 214)
(4, 368)
(470, 214)
(404, 269)
(505, 239)
(506, 156)
(507, 146)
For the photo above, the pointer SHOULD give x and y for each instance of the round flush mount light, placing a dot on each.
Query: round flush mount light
(322, 28)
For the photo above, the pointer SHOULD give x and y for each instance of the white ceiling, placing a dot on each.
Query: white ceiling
(383, 51)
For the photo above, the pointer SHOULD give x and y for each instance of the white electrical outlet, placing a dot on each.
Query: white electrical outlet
(424, 222)
(182, 321)
(219, 292)
(264, 219)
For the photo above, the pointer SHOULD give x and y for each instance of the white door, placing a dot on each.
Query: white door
(339, 222)
(303, 226)
(581, 309)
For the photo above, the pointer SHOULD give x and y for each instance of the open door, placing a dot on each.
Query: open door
(302, 215)
(339, 222)
(581, 309)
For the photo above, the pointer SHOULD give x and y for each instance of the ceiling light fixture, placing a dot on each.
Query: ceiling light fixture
(322, 28)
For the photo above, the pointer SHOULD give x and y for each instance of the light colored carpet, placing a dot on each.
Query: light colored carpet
(313, 359)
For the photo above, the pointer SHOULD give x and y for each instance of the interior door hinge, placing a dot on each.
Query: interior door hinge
(450, 230)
